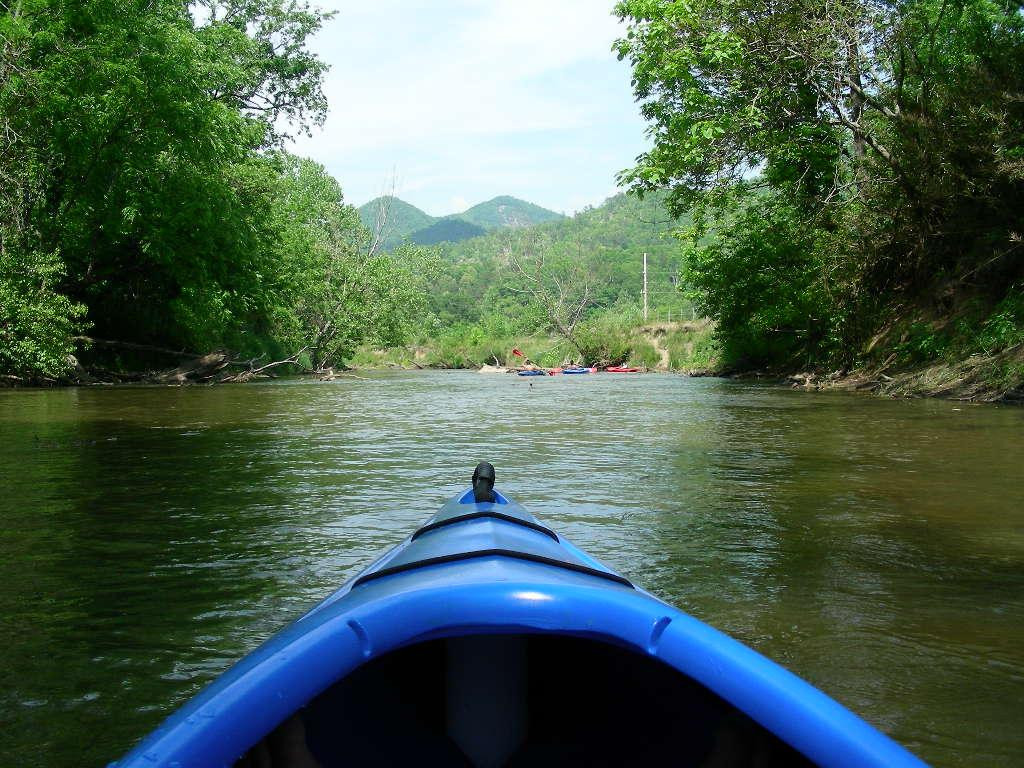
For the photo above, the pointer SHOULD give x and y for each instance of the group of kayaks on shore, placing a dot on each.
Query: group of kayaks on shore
(529, 368)
(572, 370)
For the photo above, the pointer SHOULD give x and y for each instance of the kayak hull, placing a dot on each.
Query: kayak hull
(490, 569)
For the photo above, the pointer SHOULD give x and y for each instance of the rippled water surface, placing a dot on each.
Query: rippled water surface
(151, 536)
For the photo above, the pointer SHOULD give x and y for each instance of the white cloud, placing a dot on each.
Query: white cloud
(493, 86)
(531, 37)
(465, 74)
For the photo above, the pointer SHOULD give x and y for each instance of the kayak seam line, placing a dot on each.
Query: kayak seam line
(478, 515)
(457, 556)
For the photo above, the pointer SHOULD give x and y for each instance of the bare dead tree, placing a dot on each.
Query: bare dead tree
(563, 292)
(381, 215)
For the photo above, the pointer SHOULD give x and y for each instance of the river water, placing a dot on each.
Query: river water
(151, 536)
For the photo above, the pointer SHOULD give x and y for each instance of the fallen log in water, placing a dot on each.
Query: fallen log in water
(201, 369)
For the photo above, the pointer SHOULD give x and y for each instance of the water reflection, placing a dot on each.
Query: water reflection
(151, 536)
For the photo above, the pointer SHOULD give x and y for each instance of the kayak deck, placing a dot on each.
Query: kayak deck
(486, 639)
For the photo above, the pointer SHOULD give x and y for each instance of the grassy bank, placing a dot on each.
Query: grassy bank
(679, 347)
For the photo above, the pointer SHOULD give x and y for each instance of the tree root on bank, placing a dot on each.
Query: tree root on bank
(204, 368)
(997, 377)
(992, 378)
(217, 367)
(253, 372)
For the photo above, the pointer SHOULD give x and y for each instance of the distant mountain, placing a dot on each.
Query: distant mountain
(506, 211)
(406, 221)
(447, 230)
(403, 219)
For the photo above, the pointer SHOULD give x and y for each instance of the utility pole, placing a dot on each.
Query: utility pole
(645, 287)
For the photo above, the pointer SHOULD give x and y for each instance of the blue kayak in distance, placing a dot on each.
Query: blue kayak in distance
(487, 639)
(531, 372)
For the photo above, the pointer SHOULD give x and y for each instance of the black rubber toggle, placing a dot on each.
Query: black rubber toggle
(483, 482)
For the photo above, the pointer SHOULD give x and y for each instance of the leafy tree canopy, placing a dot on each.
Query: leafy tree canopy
(144, 197)
(888, 137)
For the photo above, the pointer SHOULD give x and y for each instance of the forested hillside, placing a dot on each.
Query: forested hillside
(605, 244)
(446, 230)
(507, 211)
(882, 225)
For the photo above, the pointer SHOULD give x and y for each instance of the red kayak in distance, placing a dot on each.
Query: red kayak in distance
(621, 369)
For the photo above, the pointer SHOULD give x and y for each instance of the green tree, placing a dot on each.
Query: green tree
(890, 130)
(760, 278)
(144, 129)
(337, 293)
(36, 322)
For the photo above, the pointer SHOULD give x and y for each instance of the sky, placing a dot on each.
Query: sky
(461, 101)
